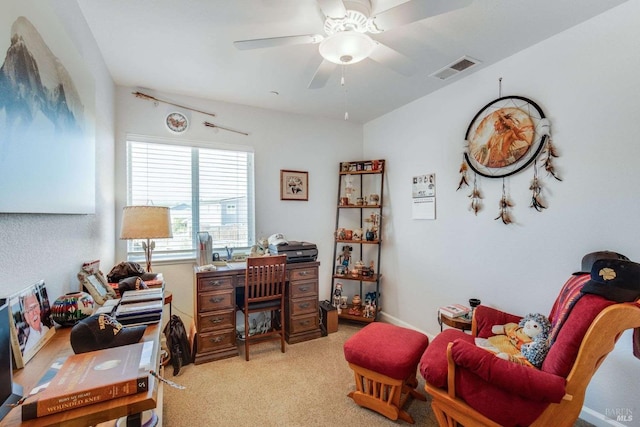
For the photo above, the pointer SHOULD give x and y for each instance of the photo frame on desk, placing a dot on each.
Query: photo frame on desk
(294, 185)
(30, 322)
(97, 286)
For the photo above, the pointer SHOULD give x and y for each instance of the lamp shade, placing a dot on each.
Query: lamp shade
(145, 222)
(346, 47)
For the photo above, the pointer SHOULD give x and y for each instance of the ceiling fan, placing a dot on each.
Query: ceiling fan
(347, 26)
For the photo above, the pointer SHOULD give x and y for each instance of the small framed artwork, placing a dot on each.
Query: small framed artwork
(294, 185)
(31, 322)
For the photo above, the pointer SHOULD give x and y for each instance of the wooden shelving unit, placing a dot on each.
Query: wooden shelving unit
(358, 213)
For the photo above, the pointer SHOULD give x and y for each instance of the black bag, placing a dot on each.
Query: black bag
(177, 343)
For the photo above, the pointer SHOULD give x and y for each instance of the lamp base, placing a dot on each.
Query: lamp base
(148, 247)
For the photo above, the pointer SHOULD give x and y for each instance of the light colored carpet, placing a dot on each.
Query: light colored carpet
(306, 386)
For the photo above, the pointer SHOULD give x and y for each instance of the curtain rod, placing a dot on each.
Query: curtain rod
(153, 98)
(207, 124)
(212, 125)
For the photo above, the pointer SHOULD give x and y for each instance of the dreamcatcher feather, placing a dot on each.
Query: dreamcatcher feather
(505, 207)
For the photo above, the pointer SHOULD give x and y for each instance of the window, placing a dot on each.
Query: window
(207, 189)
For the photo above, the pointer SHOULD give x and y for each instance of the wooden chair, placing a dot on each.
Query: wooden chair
(264, 290)
(558, 397)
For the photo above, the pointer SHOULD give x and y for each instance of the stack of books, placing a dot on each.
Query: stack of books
(140, 307)
(87, 378)
(454, 310)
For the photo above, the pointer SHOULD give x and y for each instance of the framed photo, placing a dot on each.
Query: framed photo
(92, 279)
(31, 323)
(294, 185)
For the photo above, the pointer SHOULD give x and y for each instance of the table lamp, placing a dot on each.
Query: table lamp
(146, 222)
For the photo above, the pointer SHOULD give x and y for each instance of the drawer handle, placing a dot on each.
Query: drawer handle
(216, 300)
(216, 320)
(304, 273)
(216, 339)
(304, 305)
(215, 283)
(303, 288)
(304, 322)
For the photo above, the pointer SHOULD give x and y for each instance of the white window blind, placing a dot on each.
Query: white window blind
(206, 189)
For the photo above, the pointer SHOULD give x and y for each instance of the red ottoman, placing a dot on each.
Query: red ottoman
(384, 359)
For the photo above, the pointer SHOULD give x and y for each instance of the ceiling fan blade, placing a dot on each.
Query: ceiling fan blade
(415, 10)
(278, 41)
(322, 74)
(393, 59)
(332, 8)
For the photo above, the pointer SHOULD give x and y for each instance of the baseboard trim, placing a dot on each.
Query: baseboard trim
(387, 318)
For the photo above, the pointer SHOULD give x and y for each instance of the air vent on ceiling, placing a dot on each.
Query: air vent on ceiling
(455, 67)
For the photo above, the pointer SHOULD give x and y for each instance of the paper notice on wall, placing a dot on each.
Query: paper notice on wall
(424, 197)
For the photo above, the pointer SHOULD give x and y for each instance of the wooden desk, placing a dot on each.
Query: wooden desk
(215, 308)
(90, 415)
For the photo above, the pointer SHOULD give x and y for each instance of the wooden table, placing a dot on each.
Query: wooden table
(90, 415)
(461, 323)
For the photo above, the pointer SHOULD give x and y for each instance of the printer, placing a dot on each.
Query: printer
(295, 251)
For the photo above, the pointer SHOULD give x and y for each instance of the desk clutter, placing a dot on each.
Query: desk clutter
(140, 307)
(94, 355)
(87, 378)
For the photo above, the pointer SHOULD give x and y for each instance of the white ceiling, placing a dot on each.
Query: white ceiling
(186, 47)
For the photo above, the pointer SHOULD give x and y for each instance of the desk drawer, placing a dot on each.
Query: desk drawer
(303, 323)
(303, 306)
(216, 340)
(303, 289)
(215, 301)
(303, 273)
(206, 284)
(215, 321)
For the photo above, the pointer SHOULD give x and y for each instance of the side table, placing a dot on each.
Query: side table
(461, 323)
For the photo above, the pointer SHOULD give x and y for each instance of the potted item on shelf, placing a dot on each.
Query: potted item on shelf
(356, 306)
(370, 235)
(348, 234)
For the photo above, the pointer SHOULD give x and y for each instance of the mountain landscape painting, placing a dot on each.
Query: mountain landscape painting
(47, 130)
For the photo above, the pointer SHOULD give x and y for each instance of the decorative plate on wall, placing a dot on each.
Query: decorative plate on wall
(177, 122)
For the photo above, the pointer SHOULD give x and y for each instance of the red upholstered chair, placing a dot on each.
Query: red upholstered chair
(473, 387)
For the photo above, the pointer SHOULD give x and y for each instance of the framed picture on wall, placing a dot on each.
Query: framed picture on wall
(294, 185)
(31, 322)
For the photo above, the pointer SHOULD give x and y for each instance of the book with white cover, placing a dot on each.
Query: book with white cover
(454, 310)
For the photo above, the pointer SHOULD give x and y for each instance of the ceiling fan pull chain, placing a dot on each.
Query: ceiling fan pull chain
(344, 92)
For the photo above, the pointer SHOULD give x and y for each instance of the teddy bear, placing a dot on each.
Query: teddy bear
(525, 342)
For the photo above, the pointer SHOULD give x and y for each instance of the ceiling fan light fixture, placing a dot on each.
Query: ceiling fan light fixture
(347, 47)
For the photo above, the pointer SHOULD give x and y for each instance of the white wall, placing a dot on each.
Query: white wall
(53, 247)
(280, 141)
(586, 82)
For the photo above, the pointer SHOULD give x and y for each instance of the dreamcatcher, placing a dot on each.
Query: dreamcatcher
(505, 137)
